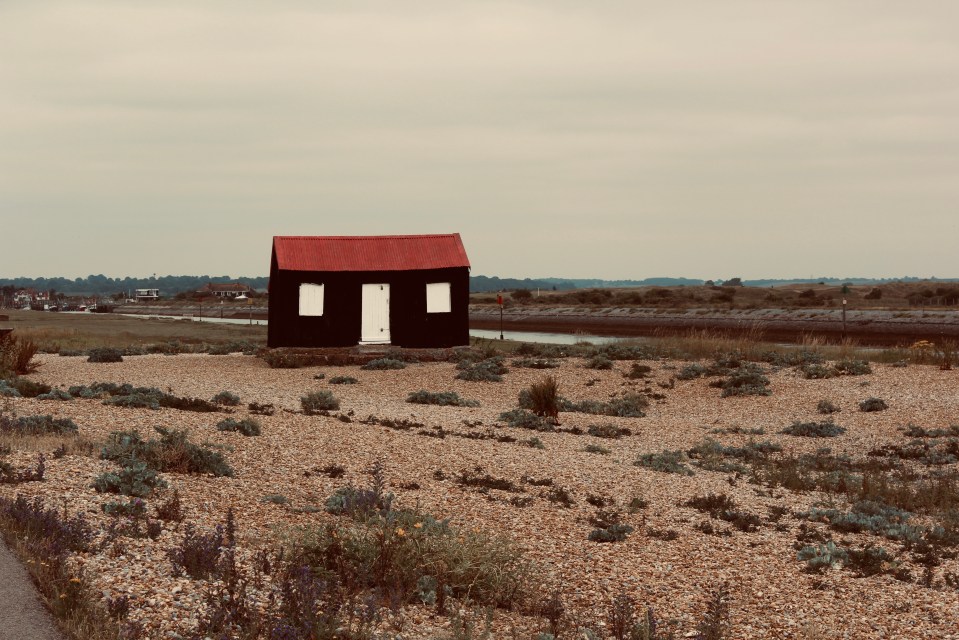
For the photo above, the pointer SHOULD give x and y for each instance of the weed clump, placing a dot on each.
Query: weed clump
(173, 453)
(853, 367)
(343, 380)
(316, 402)
(246, 426)
(488, 370)
(105, 354)
(135, 479)
(612, 533)
(827, 407)
(665, 462)
(873, 404)
(226, 399)
(607, 430)
(826, 429)
(36, 425)
(443, 399)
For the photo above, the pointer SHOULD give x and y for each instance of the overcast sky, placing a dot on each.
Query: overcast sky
(696, 138)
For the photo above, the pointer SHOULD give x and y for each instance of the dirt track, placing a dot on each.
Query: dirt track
(881, 328)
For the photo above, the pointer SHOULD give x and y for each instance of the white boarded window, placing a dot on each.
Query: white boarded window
(311, 299)
(438, 297)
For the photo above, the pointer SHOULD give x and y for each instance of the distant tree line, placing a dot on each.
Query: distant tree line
(102, 285)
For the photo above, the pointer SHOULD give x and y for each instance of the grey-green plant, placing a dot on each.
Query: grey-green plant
(665, 461)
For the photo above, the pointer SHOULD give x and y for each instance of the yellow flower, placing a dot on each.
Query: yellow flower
(418, 525)
(76, 580)
(62, 596)
(400, 532)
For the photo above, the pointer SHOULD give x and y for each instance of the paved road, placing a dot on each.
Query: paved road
(22, 617)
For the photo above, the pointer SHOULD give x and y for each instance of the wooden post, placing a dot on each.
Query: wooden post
(843, 318)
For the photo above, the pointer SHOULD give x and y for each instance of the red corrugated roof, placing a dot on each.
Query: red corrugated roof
(369, 253)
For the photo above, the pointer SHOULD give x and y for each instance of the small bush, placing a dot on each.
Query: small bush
(826, 407)
(665, 461)
(343, 380)
(171, 510)
(316, 402)
(827, 429)
(37, 425)
(873, 404)
(261, 409)
(745, 381)
(607, 430)
(133, 508)
(443, 399)
(173, 453)
(16, 356)
(853, 367)
(488, 370)
(823, 556)
(246, 426)
(226, 399)
(384, 364)
(55, 394)
(818, 371)
(639, 371)
(600, 362)
(134, 479)
(544, 398)
(612, 533)
(105, 354)
(28, 388)
(198, 554)
(524, 419)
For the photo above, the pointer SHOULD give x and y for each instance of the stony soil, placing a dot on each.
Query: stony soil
(770, 595)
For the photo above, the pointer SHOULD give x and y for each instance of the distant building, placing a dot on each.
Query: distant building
(147, 295)
(336, 291)
(24, 297)
(224, 289)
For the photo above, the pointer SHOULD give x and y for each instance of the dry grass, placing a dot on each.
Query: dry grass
(53, 332)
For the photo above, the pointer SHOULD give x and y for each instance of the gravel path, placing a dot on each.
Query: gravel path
(771, 595)
(22, 617)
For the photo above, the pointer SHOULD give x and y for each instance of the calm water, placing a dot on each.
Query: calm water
(537, 336)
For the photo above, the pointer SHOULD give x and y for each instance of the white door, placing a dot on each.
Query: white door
(376, 314)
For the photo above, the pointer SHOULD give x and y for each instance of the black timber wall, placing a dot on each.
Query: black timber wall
(340, 324)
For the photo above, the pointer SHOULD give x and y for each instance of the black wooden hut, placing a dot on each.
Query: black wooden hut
(337, 291)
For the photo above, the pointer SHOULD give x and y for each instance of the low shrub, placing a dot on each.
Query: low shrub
(873, 404)
(384, 364)
(198, 554)
(261, 409)
(246, 426)
(826, 407)
(442, 398)
(16, 356)
(172, 453)
(170, 510)
(56, 394)
(317, 402)
(630, 405)
(524, 419)
(343, 380)
(819, 372)
(607, 430)
(853, 367)
(133, 508)
(226, 399)
(745, 381)
(28, 388)
(612, 533)
(820, 557)
(36, 425)
(599, 361)
(826, 429)
(105, 354)
(665, 462)
(488, 370)
(135, 479)
(639, 371)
